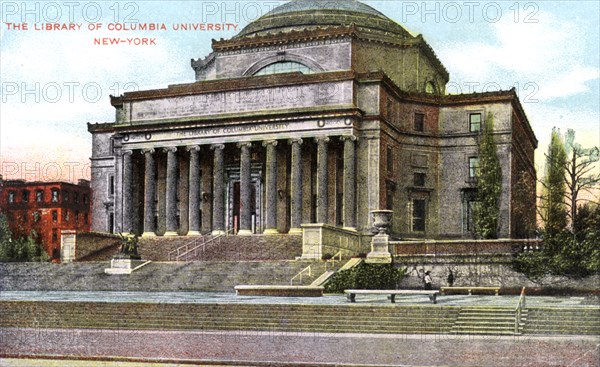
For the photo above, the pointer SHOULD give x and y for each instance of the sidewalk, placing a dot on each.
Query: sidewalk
(276, 348)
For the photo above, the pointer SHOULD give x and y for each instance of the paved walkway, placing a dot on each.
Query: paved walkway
(276, 348)
(217, 297)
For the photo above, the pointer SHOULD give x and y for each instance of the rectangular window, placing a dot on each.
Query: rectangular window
(11, 197)
(419, 124)
(65, 196)
(419, 179)
(54, 235)
(471, 204)
(25, 196)
(418, 215)
(39, 196)
(475, 122)
(77, 217)
(390, 159)
(54, 216)
(389, 198)
(66, 215)
(85, 198)
(37, 215)
(473, 167)
(54, 195)
(111, 185)
(76, 197)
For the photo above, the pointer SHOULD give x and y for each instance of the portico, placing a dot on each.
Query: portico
(256, 186)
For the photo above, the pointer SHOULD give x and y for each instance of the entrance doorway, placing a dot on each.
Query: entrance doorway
(233, 198)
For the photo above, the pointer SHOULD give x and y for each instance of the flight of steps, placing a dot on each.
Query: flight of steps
(226, 248)
(488, 320)
(154, 277)
(233, 317)
(569, 321)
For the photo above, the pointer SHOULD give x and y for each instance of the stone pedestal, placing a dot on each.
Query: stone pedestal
(380, 253)
(125, 266)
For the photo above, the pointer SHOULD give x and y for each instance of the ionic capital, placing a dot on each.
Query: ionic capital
(322, 139)
(193, 148)
(348, 137)
(295, 141)
(269, 142)
(170, 149)
(217, 146)
(128, 152)
(244, 144)
(148, 151)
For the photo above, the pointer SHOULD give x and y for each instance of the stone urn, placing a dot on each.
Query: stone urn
(382, 219)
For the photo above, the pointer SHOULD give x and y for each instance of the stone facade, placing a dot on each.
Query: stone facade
(305, 117)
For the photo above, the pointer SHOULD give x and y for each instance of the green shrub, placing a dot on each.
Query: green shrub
(365, 276)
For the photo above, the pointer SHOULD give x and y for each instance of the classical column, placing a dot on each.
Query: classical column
(245, 216)
(127, 192)
(171, 191)
(322, 199)
(349, 182)
(296, 186)
(271, 189)
(218, 224)
(149, 193)
(194, 189)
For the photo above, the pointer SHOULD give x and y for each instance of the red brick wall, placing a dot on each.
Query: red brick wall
(33, 215)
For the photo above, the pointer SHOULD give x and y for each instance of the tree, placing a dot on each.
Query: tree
(552, 201)
(578, 177)
(489, 183)
(20, 249)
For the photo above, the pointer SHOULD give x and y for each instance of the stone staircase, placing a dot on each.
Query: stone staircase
(488, 320)
(226, 248)
(167, 276)
(569, 321)
(233, 317)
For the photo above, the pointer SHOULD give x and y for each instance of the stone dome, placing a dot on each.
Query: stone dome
(310, 14)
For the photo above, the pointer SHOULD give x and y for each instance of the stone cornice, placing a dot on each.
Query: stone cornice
(235, 84)
(319, 112)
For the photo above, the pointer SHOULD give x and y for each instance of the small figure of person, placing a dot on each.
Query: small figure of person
(450, 279)
(427, 280)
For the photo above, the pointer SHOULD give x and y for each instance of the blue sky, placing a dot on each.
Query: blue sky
(549, 50)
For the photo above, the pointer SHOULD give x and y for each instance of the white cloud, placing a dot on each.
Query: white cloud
(545, 53)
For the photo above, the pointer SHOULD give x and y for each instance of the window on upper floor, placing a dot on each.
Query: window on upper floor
(390, 159)
(284, 67)
(25, 196)
(54, 216)
(418, 215)
(419, 179)
(55, 195)
(473, 167)
(76, 197)
(85, 198)
(475, 122)
(39, 196)
(54, 235)
(11, 196)
(65, 196)
(419, 123)
(111, 185)
(37, 215)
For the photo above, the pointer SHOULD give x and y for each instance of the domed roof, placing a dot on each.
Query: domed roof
(303, 14)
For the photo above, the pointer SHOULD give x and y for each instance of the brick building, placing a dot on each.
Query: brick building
(46, 208)
(318, 112)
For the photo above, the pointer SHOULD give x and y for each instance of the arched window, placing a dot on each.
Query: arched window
(430, 87)
(284, 67)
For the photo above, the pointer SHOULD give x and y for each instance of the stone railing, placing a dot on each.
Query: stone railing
(463, 247)
(320, 239)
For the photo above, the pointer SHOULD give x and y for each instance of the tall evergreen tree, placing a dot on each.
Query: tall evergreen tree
(554, 211)
(489, 183)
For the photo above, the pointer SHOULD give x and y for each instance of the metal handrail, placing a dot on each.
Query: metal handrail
(202, 245)
(519, 310)
(180, 248)
(308, 268)
(332, 260)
